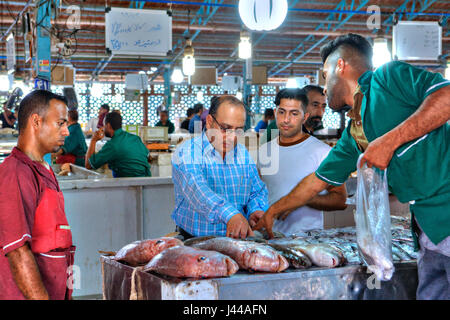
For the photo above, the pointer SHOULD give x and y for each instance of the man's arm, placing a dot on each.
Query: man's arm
(26, 274)
(333, 200)
(307, 189)
(98, 135)
(432, 113)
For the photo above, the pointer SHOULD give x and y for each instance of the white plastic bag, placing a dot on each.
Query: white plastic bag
(373, 222)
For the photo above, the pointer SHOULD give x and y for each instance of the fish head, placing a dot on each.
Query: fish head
(265, 258)
(214, 264)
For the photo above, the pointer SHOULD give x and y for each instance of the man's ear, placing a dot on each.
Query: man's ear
(306, 116)
(35, 120)
(209, 121)
(340, 66)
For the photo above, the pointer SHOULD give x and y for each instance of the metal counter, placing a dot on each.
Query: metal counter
(351, 282)
(106, 214)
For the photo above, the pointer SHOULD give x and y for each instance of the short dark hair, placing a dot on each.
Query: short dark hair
(216, 102)
(198, 107)
(73, 114)
(313, 87)
(269, 112)
(292, 93)
(36, 102)
(190, 112)
(356, 42)
(114, 119)
(105, 106)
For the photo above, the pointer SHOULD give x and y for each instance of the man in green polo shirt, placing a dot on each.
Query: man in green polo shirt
(399, 117)
(165, 122)
(125, 153)
(74, 148)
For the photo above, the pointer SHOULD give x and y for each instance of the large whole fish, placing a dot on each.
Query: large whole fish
(295, 258)
(141, 252)
(320, 254)
(188, 262)
(248, 254)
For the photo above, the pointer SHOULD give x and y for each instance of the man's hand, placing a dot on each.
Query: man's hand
(254, 217)
(238, 227)
(98, 135)
(379, 152)
(266, 222)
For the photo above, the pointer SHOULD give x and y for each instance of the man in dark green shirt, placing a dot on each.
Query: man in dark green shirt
(399, 117)
(74, 148)
(165, 122)
(125, 153)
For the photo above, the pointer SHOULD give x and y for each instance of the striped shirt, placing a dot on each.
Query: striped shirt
(210, 190)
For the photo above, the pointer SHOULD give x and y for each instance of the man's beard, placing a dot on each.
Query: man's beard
(315, 123)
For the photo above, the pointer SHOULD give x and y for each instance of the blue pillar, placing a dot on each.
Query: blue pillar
(42, 60)
(167, 89)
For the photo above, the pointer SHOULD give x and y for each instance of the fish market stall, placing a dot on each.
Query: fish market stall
(351, 282)
(346, 278)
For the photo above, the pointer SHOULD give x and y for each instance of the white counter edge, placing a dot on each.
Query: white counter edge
(114, 182)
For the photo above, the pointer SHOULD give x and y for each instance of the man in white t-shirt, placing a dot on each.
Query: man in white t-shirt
(293, 155)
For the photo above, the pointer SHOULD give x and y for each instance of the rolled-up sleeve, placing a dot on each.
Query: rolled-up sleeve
(105, 155)
(340, 162)
(189, 181)
(258, 200)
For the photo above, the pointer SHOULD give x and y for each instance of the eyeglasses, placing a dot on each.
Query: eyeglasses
(237, 132)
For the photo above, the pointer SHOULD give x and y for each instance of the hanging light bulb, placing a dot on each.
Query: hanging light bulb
(381, 54)
(239, 95)
(188, 60)
(292, 82)
(177, 75)
(245, 46)
(263, 14)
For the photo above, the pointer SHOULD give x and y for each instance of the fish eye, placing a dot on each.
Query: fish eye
(159, 241)
(254, 251)
(200, 259)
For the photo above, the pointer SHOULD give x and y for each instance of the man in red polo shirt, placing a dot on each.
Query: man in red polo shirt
(35, 239)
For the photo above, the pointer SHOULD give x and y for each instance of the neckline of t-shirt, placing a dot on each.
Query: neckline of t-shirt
(295, 143)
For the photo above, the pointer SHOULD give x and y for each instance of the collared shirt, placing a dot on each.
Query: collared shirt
(419, 170)
(169, 125)
(356, 127)
(75, 143)
(126, 155)
(20, 194)
(209, 190)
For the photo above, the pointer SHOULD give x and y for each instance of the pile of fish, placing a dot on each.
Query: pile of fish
(169, 256)
(211, 257)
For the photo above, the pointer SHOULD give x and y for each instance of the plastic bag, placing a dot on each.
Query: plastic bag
(373, 222)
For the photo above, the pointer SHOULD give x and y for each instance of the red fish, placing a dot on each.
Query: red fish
(188, 262)
(141, 252)
(248, 254)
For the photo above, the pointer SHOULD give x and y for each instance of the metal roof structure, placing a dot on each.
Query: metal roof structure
(215, 28)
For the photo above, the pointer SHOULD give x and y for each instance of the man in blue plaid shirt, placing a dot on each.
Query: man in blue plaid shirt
(217, 187)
